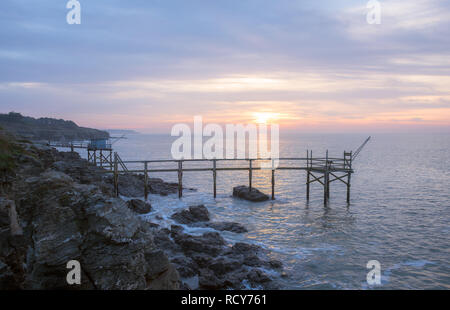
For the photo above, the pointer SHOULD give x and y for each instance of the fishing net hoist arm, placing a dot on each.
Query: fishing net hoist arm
(359, 149)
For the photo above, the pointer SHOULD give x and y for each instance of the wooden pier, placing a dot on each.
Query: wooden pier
(323, 170)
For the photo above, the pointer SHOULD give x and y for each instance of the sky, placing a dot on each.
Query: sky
(305, 65)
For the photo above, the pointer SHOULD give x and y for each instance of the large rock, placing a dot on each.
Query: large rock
(160, 262)
(163, 240)
(167, 280)
(199, 216)
(130, 185)
(210, 243)
(77, 168)
(257, 277)
(186, 266)
(159, 187)
(139, 206)
(208, 280)
(248, 254)
(245, 248)
(223, 265)
(193, 215)
(254, 194)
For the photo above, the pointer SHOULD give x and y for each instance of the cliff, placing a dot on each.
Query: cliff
(48, 128)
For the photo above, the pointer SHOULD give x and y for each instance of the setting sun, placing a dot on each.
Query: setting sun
(264, 117)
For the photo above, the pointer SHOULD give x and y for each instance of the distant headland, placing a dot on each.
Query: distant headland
(122, 131)
(48, 128)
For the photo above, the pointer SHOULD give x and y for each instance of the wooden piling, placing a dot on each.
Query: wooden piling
(214, 177)
(348, 187)
(307, 184)
(180, 179)
(325, 181)
(146, 180)
(250, 175)
(328, 186)
(110, 161)
(349, 177)
(307, 175)
(328, 180)
(116, 176)
(273, 180)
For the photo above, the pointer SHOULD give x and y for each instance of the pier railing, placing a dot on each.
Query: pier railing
(71, 145)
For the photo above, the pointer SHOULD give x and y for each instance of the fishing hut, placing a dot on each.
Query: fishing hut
(100, 152)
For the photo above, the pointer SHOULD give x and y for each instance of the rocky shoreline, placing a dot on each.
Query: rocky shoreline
(56, 207)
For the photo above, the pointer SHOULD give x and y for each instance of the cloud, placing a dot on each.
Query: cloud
(398, 18)
(156, 62)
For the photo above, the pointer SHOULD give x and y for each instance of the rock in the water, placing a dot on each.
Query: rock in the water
(244, 192)
(245, 248)
(210, 243)
(139, 206)
(201, 259)
(275, 264)
(158, 186)
(228, 226)
(256, 276)
(247, 253)
(193, 215)
(199, 214)
(176, 229)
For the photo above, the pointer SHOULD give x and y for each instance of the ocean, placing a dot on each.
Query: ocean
(399, 212)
